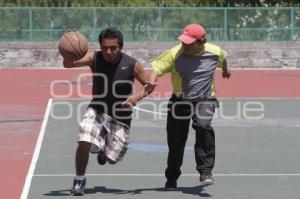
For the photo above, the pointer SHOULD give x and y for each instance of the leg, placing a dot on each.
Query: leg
(205, 137)
(87, 126)
(82, 157)
(116, 140)
(81, 161)
(177, 132)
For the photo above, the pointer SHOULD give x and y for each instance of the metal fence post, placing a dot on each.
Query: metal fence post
(30, 24)
(225, 25)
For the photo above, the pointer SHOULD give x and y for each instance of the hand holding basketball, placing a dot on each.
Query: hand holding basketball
(73, 45)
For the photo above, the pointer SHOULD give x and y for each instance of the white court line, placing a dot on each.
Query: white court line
(150, 69)
(36, 153)
(219, 98)
(148, 111)
(162, 175)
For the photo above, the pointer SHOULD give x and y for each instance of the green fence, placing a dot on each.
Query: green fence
(151, 23)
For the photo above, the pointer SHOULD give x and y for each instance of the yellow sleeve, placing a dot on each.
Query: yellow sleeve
(221, 58)
(165, 63)
(218, 51)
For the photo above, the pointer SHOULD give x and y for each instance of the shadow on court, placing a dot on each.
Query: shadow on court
(197, 190)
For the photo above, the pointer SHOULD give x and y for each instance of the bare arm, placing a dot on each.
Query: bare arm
(144, 79)
(85, 61)
(226, 73)
(140, 74)
(153, 77)
(149, 86)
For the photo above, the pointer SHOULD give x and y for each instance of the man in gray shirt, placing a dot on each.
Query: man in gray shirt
(192, 65)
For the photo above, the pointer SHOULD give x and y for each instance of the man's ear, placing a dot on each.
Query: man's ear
(204, 41)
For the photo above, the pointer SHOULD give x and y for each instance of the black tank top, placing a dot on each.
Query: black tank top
(112, 84)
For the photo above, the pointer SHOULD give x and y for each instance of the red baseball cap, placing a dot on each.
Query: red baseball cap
(191, 33)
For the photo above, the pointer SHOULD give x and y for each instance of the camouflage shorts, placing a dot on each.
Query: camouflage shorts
(105, 133)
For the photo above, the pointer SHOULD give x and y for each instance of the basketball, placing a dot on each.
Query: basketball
(73, 45)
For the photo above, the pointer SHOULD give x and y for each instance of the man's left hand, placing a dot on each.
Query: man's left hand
(131, 101)
(226, 74)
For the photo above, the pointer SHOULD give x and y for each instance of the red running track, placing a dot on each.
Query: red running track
(25, 93)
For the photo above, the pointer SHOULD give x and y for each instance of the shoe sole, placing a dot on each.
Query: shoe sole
(101, 160)
(78, 194)
(170, 189)
(206, 183)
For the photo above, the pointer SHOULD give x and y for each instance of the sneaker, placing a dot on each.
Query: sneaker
(171, 185)
(101, 158)
(78, 187)
(206, 180)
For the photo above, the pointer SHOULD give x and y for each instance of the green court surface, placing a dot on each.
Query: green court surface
(257, 144)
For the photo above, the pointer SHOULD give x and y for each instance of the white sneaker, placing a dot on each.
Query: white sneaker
(206, 180)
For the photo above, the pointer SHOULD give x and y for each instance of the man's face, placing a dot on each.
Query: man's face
(110, 49)
(193, 48)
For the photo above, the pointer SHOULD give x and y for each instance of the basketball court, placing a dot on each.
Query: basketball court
(257, 133)
(256, 126)
(257, 150)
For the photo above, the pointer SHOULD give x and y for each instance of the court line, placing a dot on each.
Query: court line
(219, 98)
(150, 69)
(36, 153)
(148, 111)
(186, 175)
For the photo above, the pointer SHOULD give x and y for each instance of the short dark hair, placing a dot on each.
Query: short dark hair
(111, 32)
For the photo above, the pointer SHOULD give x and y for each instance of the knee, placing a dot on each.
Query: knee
(110, 161)
(84, 146)
(202, 124)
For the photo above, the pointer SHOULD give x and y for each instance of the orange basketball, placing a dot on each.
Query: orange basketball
(73, 45)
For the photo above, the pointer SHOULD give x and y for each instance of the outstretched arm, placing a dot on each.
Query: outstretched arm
(148, 86)
(226, 73)
(85, 61)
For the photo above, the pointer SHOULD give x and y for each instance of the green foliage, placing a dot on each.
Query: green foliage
(148, 3)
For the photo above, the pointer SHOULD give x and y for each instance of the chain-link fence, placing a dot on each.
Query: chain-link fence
(145, 24)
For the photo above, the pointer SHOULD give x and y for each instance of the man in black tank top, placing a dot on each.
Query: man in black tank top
(108, 115)
(117, 85)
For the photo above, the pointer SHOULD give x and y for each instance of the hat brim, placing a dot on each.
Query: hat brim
(186, 39)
